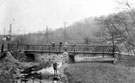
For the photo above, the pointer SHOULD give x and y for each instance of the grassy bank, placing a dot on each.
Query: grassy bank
(128, 61)
(102, 72)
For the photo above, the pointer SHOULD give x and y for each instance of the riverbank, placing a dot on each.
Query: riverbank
(92, 72)
(99, 73)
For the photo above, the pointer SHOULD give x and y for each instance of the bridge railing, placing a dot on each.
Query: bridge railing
(68, 48)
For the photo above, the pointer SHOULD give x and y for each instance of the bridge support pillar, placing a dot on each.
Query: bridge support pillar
(71, 58)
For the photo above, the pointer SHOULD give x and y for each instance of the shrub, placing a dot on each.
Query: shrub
(7, 71)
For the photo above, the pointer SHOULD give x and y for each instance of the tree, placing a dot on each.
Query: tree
(119, 28)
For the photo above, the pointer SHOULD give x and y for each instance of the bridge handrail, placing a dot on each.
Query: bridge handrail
(73, 48)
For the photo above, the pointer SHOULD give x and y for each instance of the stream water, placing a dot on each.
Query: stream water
(49, 71)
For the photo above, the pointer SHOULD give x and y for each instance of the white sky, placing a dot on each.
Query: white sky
(35, 15)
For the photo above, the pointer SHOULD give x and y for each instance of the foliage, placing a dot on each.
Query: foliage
(120, 28)
(7, 71)
(19, 56)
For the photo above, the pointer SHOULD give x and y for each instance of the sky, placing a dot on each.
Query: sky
(28, 16)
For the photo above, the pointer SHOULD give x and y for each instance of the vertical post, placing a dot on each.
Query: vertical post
(115, 56)
(74, 47)
(84, 49)
(57, 49)
(103, 51)
(71, 58)
(17, 46)
(2, 48)
(49, 48)
(112, 35)
(8, 46)
(53, 47)
(60, 46)
(27, 47)
(113, 51)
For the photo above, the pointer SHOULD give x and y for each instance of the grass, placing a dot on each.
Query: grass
(102, 72)
(128, 61)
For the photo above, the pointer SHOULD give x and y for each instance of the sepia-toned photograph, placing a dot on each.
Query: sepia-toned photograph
(67, 41)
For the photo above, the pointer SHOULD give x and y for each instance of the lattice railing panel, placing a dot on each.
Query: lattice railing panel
(68, 48)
